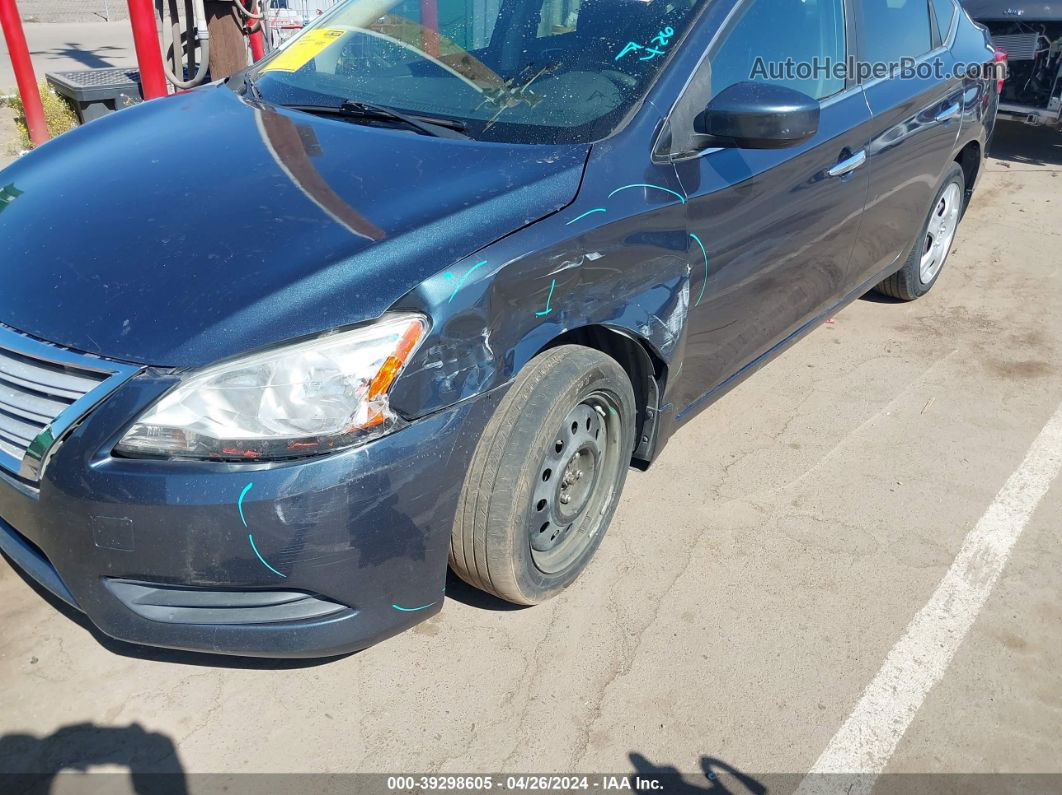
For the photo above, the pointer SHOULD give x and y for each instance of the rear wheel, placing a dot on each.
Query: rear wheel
(919, 273)
(546, 476)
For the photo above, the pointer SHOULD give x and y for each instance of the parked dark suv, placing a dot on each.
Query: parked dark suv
(425, 283)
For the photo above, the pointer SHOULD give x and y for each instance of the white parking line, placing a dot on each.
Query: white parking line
(866, 741)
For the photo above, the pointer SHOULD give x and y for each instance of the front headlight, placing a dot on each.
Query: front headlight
(303, 399)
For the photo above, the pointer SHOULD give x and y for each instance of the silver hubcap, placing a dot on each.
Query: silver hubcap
(941, 232)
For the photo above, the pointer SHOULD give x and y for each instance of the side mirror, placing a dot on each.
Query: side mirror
(759, 116)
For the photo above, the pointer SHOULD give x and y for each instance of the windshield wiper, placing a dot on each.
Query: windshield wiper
(350, 109)
(249, 88)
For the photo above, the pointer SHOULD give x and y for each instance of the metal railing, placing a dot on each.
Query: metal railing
(288, 17)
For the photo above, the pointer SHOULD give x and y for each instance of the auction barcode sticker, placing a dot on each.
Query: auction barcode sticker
(303, 49)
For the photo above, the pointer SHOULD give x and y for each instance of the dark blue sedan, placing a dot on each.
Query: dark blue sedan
(422, 286)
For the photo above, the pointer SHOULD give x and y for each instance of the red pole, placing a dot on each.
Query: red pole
(148, 50)
(257, 46)
(23, 66)
(256, 39)
(429, 23)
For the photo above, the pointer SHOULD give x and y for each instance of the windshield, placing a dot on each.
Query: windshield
(525, 71)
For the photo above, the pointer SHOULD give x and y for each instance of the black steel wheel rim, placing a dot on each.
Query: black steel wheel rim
(575, 483)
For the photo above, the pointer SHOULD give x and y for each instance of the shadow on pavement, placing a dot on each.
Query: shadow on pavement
(83, 54)
(1025, 145)
(459, 590)
(30, 764)
(880, 298)
(710, 780)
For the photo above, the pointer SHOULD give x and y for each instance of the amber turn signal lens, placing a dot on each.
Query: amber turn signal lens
(394, 363)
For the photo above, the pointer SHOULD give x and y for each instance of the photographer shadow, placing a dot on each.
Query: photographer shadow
(30, 764)
(672, 781)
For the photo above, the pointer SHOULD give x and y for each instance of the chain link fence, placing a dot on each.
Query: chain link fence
(288, 17)
(285, 17)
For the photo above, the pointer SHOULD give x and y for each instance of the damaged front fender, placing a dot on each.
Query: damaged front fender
(498, 309)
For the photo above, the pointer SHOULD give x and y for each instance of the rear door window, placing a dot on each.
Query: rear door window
(944, 11)
(895, 29)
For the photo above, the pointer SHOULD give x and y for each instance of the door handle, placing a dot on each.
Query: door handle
(848, 165)
(949, 112)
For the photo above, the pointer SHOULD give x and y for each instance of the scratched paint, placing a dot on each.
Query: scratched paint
(705, 253)
(412, 609)
(250, 536)
(679, 196)
(461, 281)
(239, 502)
(588, 212)
(579, 217)
(548, 309)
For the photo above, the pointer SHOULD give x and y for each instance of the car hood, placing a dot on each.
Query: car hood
(200, 226)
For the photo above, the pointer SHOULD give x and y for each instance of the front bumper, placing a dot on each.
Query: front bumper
(329, 555)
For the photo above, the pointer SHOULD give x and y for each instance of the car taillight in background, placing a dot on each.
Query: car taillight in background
(1001, 69)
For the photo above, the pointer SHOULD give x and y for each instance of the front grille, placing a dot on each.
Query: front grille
(44, 390)
(32, 394)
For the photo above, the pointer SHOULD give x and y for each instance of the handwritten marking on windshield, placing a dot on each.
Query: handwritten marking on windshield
(549, 297)
(705, 253)
(461, 281)
(679, 196)
(661, 39)
(588, 212)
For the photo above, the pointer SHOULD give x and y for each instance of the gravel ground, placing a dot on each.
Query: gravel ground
(8, 136)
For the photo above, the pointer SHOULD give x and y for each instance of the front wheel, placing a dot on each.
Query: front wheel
(919, 273)
(546, 476)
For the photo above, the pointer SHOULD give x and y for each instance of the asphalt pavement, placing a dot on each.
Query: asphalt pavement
(854, 554)
(66, 46)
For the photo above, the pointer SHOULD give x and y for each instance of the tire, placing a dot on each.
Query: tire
(914, 279)
(565, 430)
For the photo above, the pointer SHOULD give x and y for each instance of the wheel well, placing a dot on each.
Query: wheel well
(969, 160)
(647, 371)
